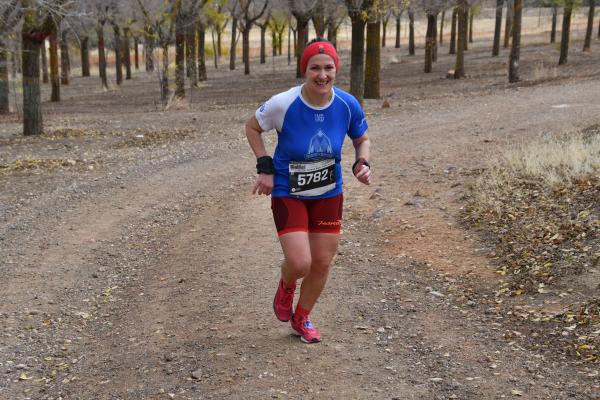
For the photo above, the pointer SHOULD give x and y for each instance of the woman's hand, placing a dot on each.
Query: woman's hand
(263, 184)
(362, 172)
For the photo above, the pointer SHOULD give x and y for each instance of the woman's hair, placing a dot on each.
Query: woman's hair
(319, 39)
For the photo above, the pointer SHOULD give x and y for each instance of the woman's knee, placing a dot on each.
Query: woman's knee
(320, 267)
(299, 266)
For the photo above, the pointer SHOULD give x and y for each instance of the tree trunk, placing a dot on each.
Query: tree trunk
(280, 42)
(373, 61)
(332, 32)
(4, 86)
(64, 59)
(553, 31)
(234, 23)
(188, 54)
(471, 25)
(202, 76)
(54, 77)
(508, 26)
(397, 45)
(289, 53)
(149, 48)
(411, 33)
(566, 30)
(318, 20)
(136, 53)
(429, 38)
(219, 36)
(85, 56)
(497, 28)
(434, 38)
(515, 51)
(127, 53)
(459, 68)
(179, 56)
(273, 43)
(453, 31)
(101, 56)
(45, 78)
(383, 33)
(190, 49)
(246, 50)
(590, 27)
(263, 45)
(442, 27)
(214, 44)
(467, 29)
(357, 55)
(117, 48)
(32, 101)
(164, 78)
(302, 29)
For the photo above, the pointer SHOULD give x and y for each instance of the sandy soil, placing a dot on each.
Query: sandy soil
(144, 269)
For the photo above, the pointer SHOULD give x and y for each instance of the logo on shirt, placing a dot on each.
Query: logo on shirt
(319, 147)
(262, 108)
(319, 117)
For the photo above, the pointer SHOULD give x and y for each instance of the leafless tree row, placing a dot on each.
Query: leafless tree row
(46, 30)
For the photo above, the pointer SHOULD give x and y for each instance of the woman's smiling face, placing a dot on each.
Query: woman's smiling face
(320, 74)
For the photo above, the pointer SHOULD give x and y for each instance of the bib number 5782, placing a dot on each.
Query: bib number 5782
(318, 176)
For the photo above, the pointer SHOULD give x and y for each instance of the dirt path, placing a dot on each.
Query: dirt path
(156, 281)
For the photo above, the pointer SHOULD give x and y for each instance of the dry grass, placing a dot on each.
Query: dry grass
(30, 165)
(539, 204)
(545, 71)
(141, 138)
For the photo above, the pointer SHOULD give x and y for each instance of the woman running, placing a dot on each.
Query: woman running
(304, 177)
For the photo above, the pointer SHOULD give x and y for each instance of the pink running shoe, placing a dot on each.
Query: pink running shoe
(305, 329)
(283, 302)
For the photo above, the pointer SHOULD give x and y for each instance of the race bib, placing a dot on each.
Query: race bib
(312, 178)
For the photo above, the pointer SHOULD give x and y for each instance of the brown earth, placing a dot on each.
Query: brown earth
(140, 266)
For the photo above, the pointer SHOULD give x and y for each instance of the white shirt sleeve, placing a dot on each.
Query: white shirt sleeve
(270, 115)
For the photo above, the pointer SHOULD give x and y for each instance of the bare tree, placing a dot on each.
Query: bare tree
(459, 67)
(590, 26)
(515, 51)
(357, 10)
(385, 18)
(554, 18)
(508, 24)
(250, 13)
(39, 19)
(302, 11)
(335, 14)
(277, 24)
(497, 28)
(566, 30)
(10, 16)
(54, 70)
(263, 24)
(373, 59)
(318, 18)
(65, 64)
(411, 32)
(234, 9)
(397, 7)
(452, 49)
(160, 17)
(431, 8)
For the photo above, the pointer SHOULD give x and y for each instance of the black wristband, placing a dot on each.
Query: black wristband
(264, 165)
(364, 162)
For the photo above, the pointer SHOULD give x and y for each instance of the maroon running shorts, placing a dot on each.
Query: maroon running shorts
(299, 215)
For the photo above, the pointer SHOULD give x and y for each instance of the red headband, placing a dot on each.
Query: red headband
(318, 48)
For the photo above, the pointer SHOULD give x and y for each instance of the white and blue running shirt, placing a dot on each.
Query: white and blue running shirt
(307, 134)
